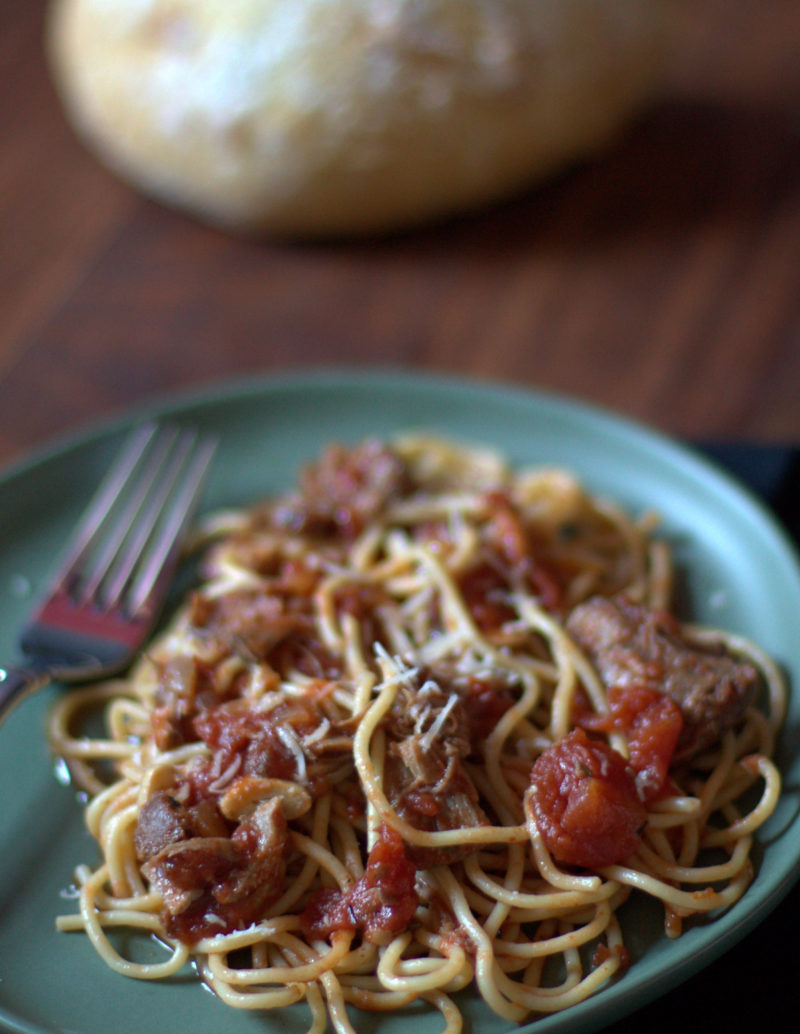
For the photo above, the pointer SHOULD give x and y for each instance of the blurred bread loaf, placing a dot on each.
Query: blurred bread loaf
(314, 118)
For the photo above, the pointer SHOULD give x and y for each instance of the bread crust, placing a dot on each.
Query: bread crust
(319, 118)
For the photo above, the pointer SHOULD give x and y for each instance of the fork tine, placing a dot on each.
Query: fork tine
(136, 519)
(102, 502)
(158, 480)
(103, 552)
(157, 563)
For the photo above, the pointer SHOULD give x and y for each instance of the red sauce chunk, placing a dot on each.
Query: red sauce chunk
(517, 548)
(602, 953)
(485, 704)
(381, 904)
(585, 802)
(652, 723)
(484, 591)
(253, 738)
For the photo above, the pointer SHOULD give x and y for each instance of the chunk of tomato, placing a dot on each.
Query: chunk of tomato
(652, 723)
(379, 905)
(585, 803)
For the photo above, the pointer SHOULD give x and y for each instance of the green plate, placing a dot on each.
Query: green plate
(741, 573)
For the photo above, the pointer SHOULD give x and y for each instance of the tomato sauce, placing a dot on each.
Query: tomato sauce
(207, 917)
(484, 591)
(212, 876)
(585, 802)
(602, 953)
(652, 723)
(250, 736)
(381, 904)
(485, 703)
(518, 549)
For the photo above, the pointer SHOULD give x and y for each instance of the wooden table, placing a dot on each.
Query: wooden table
(661, 281)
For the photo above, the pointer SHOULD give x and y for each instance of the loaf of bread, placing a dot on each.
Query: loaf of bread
(314, 118)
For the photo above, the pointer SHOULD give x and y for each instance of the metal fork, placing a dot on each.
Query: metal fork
(113, 578)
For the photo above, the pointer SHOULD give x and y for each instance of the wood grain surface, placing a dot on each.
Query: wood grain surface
(660, 280)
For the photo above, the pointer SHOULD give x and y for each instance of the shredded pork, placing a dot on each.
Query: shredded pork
(631, 645)
(428, 739)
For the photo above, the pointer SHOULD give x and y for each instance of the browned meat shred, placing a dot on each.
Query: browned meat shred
(250, 620)
(164, 820)
(345, 489)
(209, 882)
(265, 627)
(176, 701)
(258, 627)
(425, 777)
(161, 822)
(262, 841)
(632, 645)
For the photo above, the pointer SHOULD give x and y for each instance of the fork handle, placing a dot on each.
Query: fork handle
(16, 683)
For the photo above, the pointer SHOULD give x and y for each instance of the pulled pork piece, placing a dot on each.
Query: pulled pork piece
(262, 841)
(428, 737)
(180, 681)
(212, 884)
(342, 492)
(293, 740)
(189, 870)
(164, 820)
(633, 646)
(517, 549)
(250, 619)
(264, 626)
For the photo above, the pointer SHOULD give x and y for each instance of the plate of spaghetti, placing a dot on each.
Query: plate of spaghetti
(472, 711)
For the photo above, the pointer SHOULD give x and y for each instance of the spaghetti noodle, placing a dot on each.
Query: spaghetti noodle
(426, 724)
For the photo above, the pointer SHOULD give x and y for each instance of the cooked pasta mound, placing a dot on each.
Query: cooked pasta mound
(425, 725)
